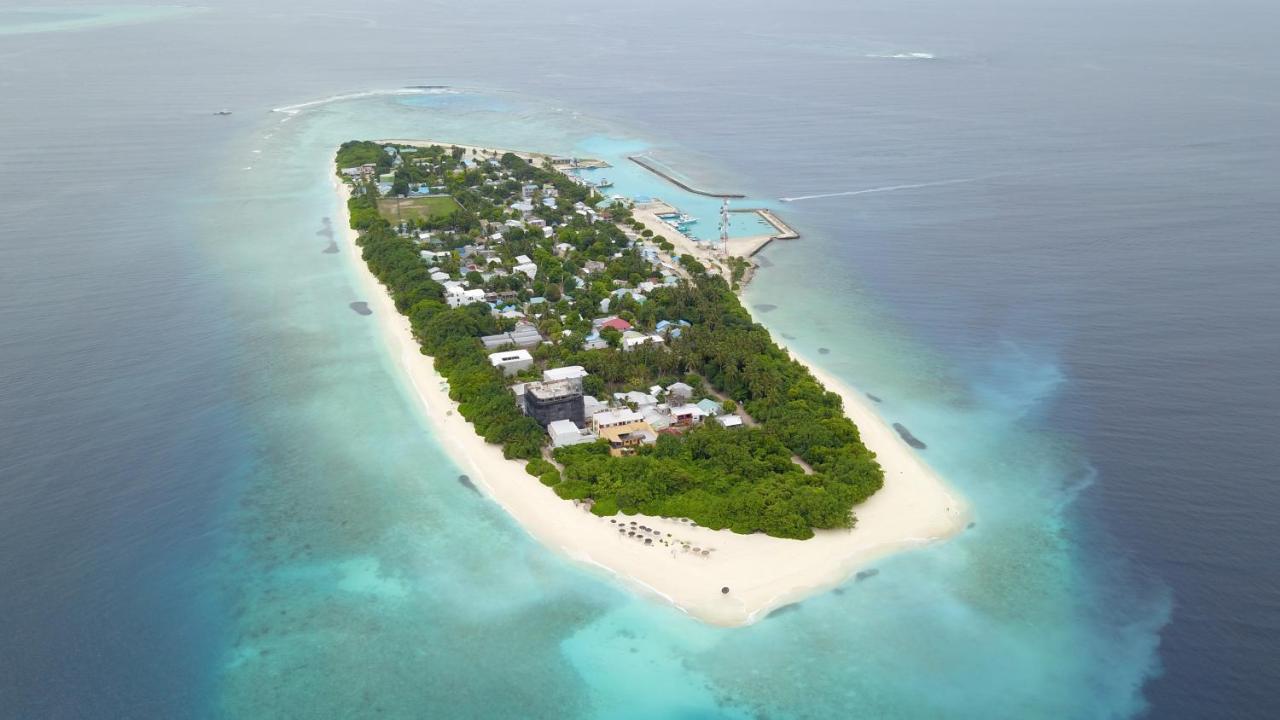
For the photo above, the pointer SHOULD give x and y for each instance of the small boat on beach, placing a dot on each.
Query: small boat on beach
(223, 112)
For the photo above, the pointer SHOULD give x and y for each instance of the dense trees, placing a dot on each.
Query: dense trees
(744, 478)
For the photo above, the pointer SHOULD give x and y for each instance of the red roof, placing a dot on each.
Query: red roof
(617, 324)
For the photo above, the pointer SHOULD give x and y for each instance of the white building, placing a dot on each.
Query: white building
(686, 414)
(591, 405)
(511, 362)
(632, 339)
(528, 269)
(679, 390)
(636, 397)
(457, 296)
(729, 420)
(568, 372)
(564, 433)
(615, 418)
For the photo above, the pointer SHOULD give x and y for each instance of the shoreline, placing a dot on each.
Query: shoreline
(913, 509)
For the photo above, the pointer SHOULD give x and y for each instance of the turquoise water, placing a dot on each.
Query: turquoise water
(217, 500)
(359, 555)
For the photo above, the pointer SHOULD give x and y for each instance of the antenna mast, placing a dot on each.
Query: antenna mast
(724, 228)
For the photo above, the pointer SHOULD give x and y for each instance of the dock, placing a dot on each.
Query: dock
(785, 231)
(647, 165)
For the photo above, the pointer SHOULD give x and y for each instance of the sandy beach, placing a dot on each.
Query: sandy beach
(915, 507)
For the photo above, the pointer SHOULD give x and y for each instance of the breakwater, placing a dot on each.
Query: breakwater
(647, 165)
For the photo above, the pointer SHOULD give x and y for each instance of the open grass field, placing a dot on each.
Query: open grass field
(397, 209)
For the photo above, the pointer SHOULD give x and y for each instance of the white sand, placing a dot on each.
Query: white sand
(915, 507)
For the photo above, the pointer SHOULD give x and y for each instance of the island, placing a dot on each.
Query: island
(593, 369)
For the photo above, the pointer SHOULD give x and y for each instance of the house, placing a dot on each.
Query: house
(636, 398)
(686, 415)
(632, 340)
(568, 372)
(594, 342)
(616, 323)
(524, 335)
(440, 276)
(624, 429)
(528, 191)
(591, 405)
(511, 361)
(729, 421)
(528, 269)
(456, 296)
(564, 433)
(680, 391)
(619, 417)
(523, 260)
(710, 407)
(524, 207)
(562, 249)
(657, 419)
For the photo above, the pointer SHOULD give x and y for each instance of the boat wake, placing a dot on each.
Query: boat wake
(904, 56)
(887, 188)
(412, 90)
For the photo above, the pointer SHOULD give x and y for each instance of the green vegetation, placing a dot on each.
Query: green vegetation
(744, 478)
(436, 207)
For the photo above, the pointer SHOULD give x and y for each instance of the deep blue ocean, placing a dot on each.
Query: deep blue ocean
(218, 501)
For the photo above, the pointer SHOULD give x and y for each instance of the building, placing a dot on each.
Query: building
(457, 296)
(632, 340)
(621, 417)
(511, 361)
(729, 421)
(547, 402)
(679, 392)
(625, 430)
(686, 415)
(656, 416)
(573, 373)
(591, 406)
(710, 407)
(616, 323)
(635, 397)
(564, 433)
(524, 335)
